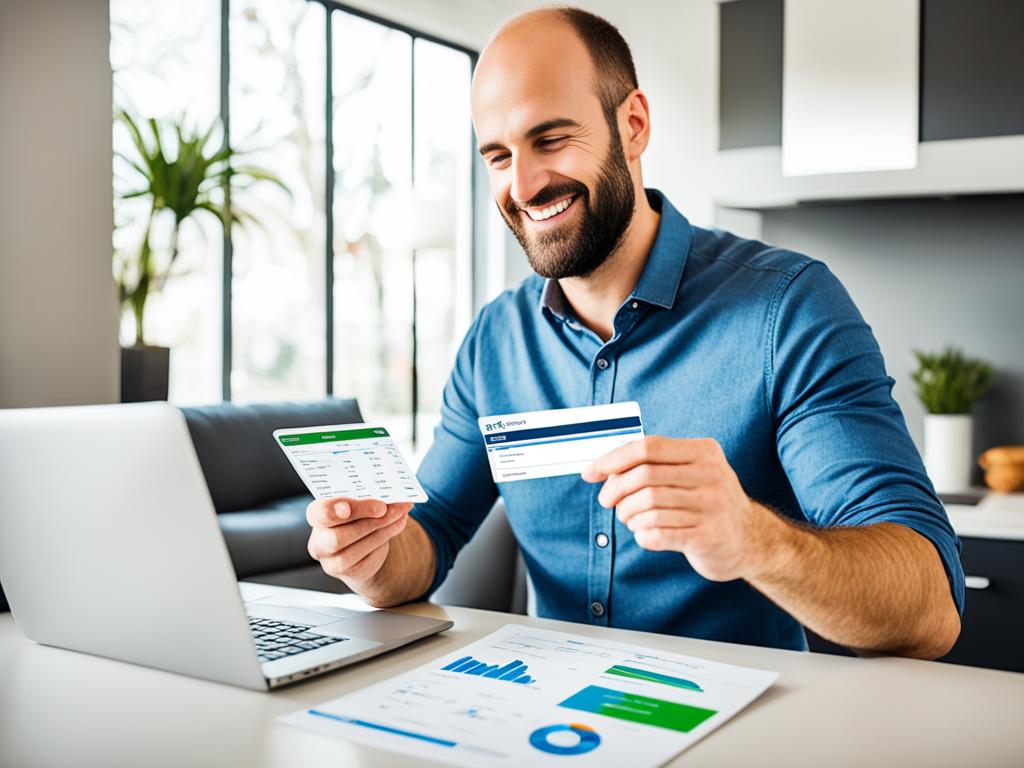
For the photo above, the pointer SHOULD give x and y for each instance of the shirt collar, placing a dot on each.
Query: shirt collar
(659, 281)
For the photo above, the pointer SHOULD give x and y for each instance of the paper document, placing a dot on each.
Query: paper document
(360, 461)
(525, 446)
(526, 696)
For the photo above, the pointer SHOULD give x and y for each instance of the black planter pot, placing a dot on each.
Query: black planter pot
(144, 373)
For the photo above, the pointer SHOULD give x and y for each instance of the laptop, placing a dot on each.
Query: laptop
(109, 545)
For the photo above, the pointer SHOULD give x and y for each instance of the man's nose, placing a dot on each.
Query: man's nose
(528, 178)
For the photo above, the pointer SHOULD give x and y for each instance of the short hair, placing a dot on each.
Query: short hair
(613, 62)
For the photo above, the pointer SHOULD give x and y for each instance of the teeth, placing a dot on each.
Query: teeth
(551, 210)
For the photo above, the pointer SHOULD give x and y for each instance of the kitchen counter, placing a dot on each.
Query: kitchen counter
(997, 516)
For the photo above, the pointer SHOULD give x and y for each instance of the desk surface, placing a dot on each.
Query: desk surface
(64, 708)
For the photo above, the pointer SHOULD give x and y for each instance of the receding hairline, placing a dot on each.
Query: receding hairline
(621, 70)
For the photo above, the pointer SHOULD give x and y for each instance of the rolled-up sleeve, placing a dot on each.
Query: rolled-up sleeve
(455, 472)
(841, 436)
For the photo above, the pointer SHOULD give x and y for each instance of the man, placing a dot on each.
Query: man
(781, 487)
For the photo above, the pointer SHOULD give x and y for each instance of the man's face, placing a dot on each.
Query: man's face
(556, 165)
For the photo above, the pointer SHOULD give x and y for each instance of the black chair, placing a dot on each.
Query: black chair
(260, 500)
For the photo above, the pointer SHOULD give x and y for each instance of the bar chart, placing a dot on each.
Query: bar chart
(512, 672)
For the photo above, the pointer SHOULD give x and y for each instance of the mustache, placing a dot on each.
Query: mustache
(547, 195)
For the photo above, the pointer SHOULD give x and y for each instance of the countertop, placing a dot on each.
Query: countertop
(997, 516)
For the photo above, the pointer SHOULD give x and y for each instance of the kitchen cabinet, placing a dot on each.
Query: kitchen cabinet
(971, 132)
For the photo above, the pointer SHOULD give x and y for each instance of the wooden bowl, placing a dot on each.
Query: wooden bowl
(1004, 468)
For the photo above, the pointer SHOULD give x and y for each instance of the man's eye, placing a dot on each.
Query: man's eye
(551, 141)
(497, 159)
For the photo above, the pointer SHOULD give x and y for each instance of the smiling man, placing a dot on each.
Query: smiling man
(780, 486)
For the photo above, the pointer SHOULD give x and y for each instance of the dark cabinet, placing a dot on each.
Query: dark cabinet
(993, 625)
(750, 74)
(992, 633)
(972, 68)
(970, 81)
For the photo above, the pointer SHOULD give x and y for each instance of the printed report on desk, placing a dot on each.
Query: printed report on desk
(360, 461)
(525, 446)
(525, 696)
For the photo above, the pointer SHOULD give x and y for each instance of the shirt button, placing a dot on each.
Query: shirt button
(602, 363)
(596, 608)
(601, 540)
(634, 305)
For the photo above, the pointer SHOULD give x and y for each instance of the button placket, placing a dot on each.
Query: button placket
(599, 576)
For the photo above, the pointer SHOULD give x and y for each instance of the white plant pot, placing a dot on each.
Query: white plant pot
(948, 452)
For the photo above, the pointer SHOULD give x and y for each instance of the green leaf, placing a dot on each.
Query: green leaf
(948, 382)
(180, 178)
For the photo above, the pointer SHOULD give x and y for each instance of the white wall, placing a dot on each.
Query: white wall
(58, 309)
(675, 49)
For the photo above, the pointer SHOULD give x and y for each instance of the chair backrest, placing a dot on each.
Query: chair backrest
(231, 440)
(489, 572)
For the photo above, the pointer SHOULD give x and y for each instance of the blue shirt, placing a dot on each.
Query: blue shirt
(757, 347)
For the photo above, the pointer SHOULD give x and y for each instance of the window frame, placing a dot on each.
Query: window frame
(477, 181)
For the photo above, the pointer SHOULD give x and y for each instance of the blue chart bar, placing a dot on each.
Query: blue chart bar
(513, 672)
(385, 728)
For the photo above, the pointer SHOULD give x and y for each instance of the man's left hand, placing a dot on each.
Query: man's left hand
(682, 495)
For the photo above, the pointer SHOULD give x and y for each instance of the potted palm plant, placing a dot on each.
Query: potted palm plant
(948, 384)
(182, 173)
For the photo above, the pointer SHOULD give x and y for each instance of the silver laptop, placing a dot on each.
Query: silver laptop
(109, 545)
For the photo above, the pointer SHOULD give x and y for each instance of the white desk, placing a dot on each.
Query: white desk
(63, 708)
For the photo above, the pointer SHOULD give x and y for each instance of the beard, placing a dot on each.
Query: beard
(577, 251)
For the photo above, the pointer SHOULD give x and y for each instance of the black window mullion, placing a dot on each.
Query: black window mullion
(412, 183)
(329, 206)
(228, 250)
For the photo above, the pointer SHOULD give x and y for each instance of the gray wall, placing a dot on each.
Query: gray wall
(58, 313)
(926, 273)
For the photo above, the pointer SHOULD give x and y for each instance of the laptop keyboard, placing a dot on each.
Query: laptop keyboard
(278, 639)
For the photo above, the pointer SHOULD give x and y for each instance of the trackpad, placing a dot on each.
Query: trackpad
(381, 626)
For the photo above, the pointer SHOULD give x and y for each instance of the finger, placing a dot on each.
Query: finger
(653, 449)
(342, 563)
(656, 497)
(326, 513)
(363, 508)
(618, 486)
(405, 506)
(663, 518)
(325, 542)
(663, 539)
(370, 564)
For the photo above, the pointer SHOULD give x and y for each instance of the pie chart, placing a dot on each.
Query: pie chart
(565, 739)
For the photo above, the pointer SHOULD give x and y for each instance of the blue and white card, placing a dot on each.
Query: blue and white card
(535, 444)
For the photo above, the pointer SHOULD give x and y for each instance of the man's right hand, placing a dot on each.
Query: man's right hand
(350, 537)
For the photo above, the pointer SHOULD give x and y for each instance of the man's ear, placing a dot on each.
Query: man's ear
(635, 124)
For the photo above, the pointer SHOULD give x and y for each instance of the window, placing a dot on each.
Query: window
(357, 279)
(278, 81)
(162, 61)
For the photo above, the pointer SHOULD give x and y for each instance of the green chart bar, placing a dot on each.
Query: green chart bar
(653, 677)
(638, 709)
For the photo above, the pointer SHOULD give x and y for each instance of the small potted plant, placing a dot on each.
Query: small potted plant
(948, 384)
(180, 173)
